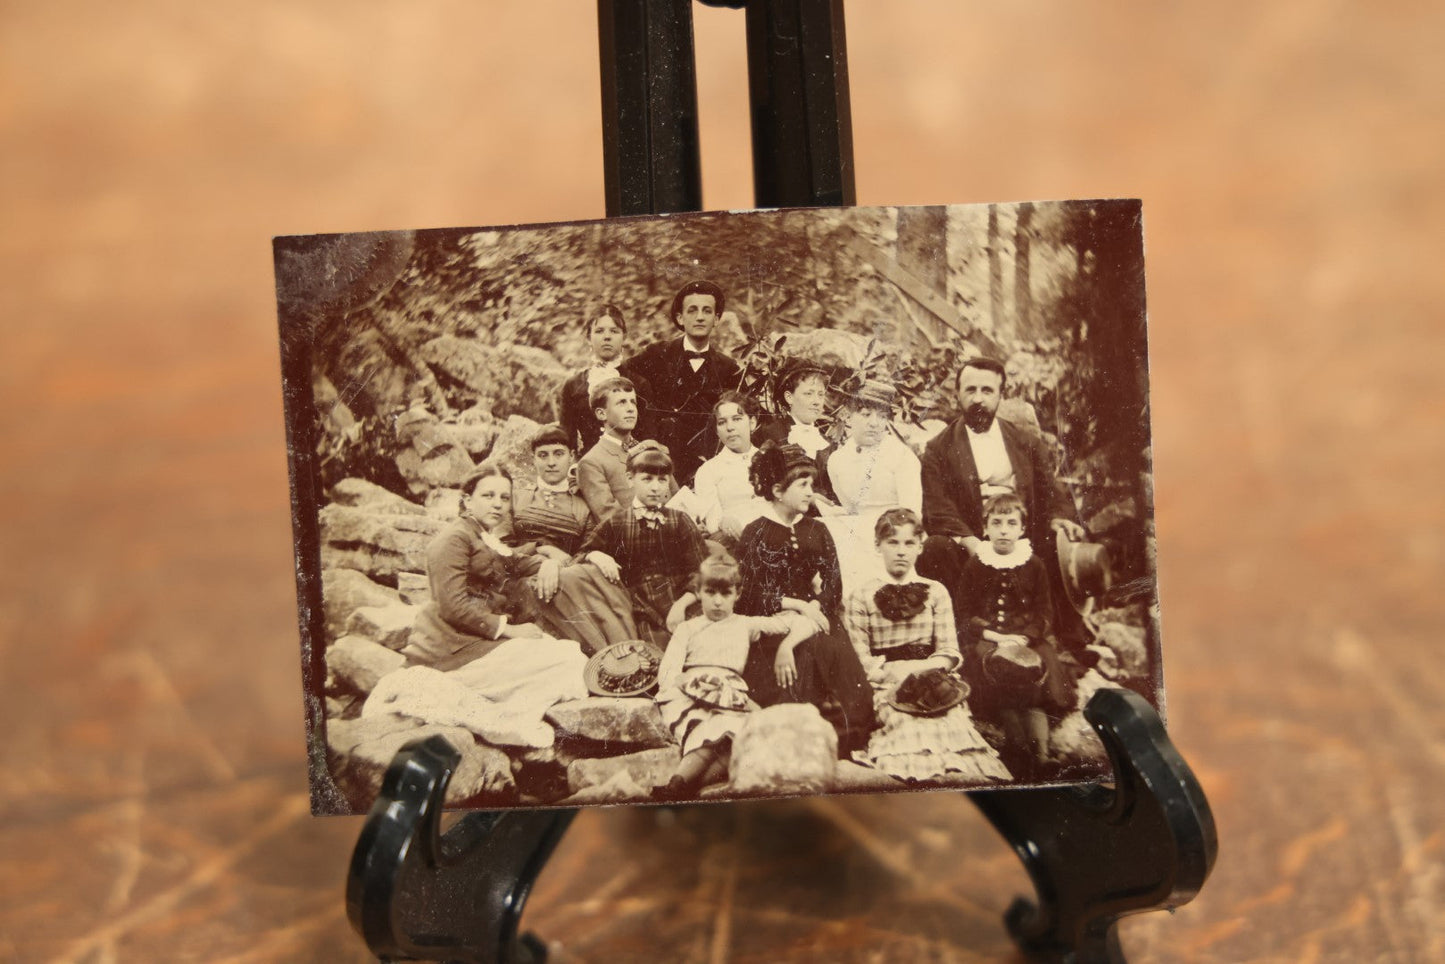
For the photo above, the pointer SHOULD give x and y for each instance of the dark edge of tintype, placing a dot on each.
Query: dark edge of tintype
(296, 325)
(1123, 253)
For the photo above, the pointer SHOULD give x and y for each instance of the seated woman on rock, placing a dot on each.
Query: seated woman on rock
(724, 491)
(552, 514)
(486, 592)
(788, 561)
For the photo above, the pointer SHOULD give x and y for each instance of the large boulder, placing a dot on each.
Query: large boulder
(621, 787)
(388, 625)
(444, 504)
(344, 591)
(475, 437)
(609, 725)
(356, 663)
(362, 749)
(414, 588)
(379, 545)
(1128, 644)
(788, 748)
(442, 466)
(507, 378)
(1073, 741)
(361, 494)
(645, 769)
(513, 447)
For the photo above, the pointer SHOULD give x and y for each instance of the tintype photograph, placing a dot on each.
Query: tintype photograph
(720, 506)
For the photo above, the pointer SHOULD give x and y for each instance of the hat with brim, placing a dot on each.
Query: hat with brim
(1085, 569)
(623, 669)
(874, 394)
(931, 692)
(1013, 664)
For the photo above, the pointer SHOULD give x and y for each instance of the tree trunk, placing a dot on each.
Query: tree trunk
(1023, 293)
(995, 274)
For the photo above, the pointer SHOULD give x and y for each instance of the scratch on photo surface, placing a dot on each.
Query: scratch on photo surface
(205, 874)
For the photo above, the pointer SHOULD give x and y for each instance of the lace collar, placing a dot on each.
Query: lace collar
(1022, 552)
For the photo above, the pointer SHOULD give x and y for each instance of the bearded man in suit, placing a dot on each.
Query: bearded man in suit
(686, 376)
(975, 458)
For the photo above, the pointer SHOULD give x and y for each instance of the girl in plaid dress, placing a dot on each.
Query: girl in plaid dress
(901, 624)
(650, 549)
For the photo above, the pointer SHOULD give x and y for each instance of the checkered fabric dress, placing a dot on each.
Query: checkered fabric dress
(658, 559)
(944, 748)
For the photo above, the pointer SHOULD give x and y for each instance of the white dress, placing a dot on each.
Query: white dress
(703, 653)
(867, 482)
(723, 489)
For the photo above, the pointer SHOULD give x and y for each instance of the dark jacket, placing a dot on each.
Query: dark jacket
(579, 421)
(680, 400)
(952, 504)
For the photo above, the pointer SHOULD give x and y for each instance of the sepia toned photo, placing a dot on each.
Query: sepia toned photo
(721, 506)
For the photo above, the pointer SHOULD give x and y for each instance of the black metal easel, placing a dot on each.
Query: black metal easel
(1094, 853)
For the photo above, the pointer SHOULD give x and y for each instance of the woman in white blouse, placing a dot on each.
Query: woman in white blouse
(725, 497)
(870, 471)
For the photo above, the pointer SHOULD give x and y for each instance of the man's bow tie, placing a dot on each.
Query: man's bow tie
(694, 354)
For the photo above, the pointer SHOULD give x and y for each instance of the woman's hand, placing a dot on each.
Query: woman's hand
(814, 611)
(547, 578)
(785, 667)
(522, 631)
(605, 564)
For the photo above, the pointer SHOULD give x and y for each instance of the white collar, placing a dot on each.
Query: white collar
(607, 436)
(560, 488)
(910, 576)
(598, 366)
(772, 513)
(495, 543)
(1023, 551)
(638, 508)
(689, 345)
(739, 456)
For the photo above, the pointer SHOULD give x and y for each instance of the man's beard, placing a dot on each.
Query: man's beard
(978, 417)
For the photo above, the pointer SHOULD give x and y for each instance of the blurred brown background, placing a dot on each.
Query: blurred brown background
(1289, 156)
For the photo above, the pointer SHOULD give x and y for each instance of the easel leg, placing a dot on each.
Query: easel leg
(1097, 854)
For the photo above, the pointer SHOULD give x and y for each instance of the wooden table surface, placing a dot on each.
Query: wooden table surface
(1289, 156)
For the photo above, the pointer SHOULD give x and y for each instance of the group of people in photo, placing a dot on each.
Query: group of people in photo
(910, 599)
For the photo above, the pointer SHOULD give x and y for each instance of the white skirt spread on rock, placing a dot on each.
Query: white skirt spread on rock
(500, 697)
(946, 747)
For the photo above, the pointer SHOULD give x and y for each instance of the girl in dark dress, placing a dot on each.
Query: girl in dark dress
(788, 562)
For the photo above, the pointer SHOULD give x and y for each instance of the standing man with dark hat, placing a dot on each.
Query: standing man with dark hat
(687, 375)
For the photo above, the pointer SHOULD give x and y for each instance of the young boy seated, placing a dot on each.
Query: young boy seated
(1019, 683)
(652, 550)
(602, 475)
